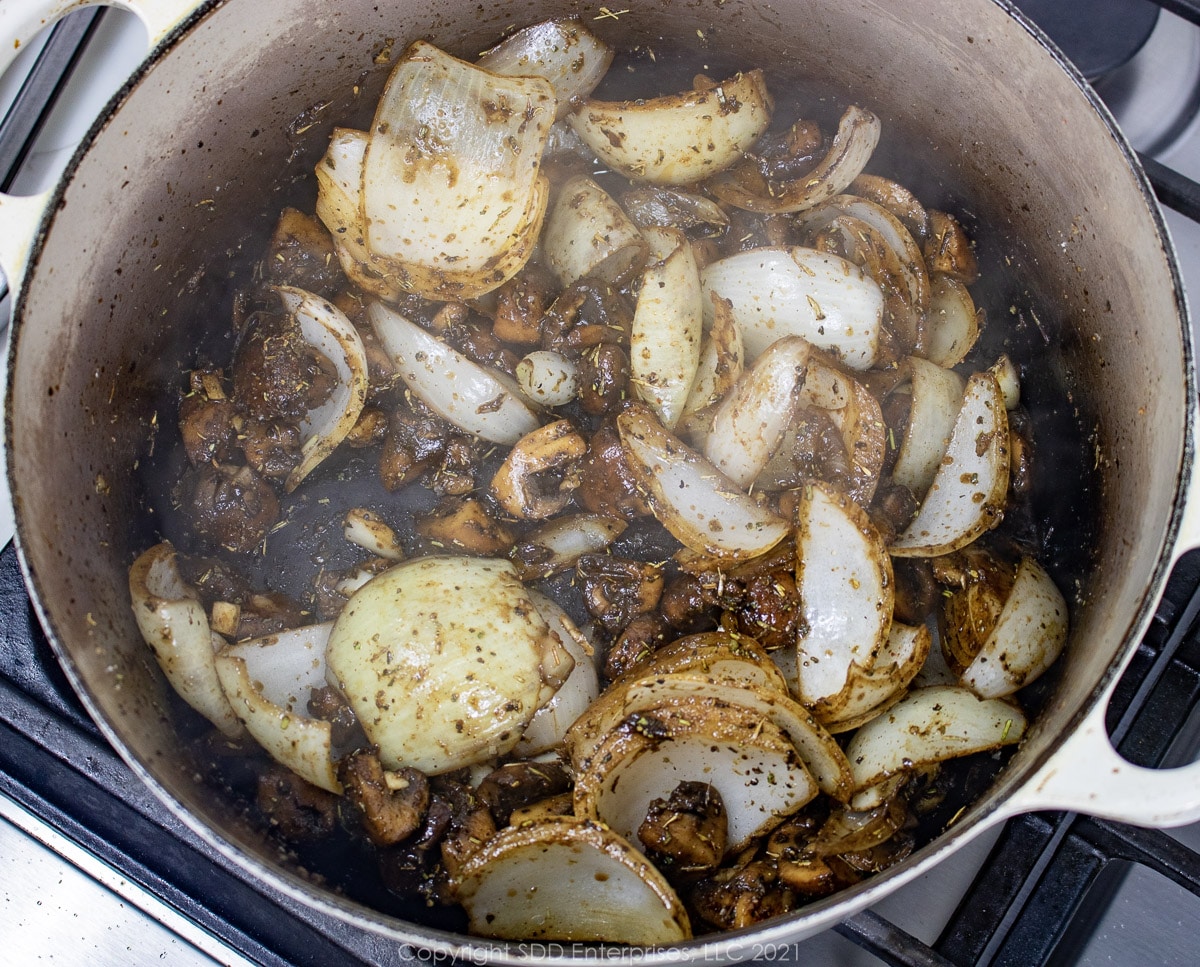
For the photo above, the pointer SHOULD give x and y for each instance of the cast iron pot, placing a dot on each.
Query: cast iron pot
(994, 118)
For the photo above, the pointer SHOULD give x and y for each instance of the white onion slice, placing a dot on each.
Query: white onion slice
(930, 725)
(366, 529)
(588, 234)
(478, 400)
(173, 623)
(796, 291)
(720, 365)
(968, 492)
(820, 753)
(844, 580)
(451, 187)
(566, 879)
(699, 505)
(668, 325)
(563, 51)
(723, 654)
(678, 139)
(869, 693)
(1009, 379)
(445, 660)
(855, 141)
(749, 423)
(269, 681)
(339, 207)
(548, 378)
(549, 724)
(1028, 635)
(749, 761)
(329, 332)
(952, 322)
(937, 396)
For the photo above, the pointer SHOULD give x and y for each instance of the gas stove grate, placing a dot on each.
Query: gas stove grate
(1025, 907)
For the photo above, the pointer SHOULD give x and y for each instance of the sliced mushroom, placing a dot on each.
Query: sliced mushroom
(537, 477)
(391, 805)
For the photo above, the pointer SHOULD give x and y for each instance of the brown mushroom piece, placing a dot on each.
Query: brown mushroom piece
(588, 313)
(606, 484)
(392, 804)
(329, 706)
(519, 784)
(471, 824)
(604, 372)
(741, 896)
(465, 523)
(540, 472)
(693, 602)
(949, 250)
(272, 447)
(415, 440)
(616, 590)
(277, 374)
(206, 420)
(770, 610)
(642, 636)
(299, 810)
(301, 253)
(230, 506)
(685, 834)
(520, 305)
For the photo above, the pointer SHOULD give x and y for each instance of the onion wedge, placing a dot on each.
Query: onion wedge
(952, 322)
(869, 693)
(566, 879)
(339, 207)
(451, 184)
(1027, 637)
(721, 363)
(678, 139)
(722, 654)
(930, 725)
(776, 292)
(445, 660)
(968, 492)
(173, 623)
(330, 333)
(588, 234)
(853, 144)
(844, 580)
(747, 759)
(548, 378)
(699, 505)
(668, 325)
(549, 724)
(563, 51)
(937, 396)
(269, 681)
(478, 400)
(749, 423)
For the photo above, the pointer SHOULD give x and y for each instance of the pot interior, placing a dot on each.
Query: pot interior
(182, 182)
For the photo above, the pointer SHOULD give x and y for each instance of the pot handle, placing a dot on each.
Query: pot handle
(20, 20)
(1087, 775)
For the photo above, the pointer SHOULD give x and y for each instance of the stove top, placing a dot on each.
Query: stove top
(90, 860)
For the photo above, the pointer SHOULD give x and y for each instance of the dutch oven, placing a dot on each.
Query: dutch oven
(236, 99)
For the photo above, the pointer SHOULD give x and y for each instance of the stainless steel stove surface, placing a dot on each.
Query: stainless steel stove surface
(93, 870)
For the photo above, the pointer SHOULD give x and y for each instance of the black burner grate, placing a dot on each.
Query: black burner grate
(1025, 908)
